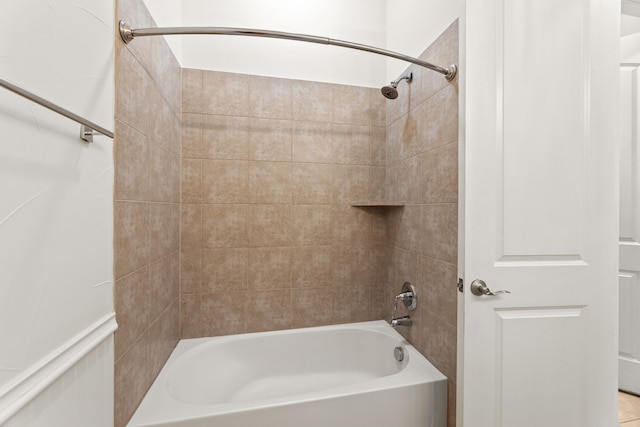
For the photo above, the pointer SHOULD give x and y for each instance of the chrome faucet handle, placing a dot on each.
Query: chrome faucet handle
(408, 296)
(403, 296)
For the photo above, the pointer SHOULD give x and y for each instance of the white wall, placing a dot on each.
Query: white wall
(405, 26)
(56, 192)
(360, 21)
(79, 397)
(629, 24)
(412, 25)
(166, 13)
(630, 40)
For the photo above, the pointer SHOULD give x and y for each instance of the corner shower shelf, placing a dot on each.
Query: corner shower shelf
(382, 204)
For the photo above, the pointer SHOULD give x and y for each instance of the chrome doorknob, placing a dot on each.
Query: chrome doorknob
(479, 288)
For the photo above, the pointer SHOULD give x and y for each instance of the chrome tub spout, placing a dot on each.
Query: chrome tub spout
(401, 321)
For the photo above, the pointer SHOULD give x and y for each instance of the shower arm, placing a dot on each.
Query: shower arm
(127, 34)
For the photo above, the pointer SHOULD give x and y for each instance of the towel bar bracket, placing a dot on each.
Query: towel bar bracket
(86, 133)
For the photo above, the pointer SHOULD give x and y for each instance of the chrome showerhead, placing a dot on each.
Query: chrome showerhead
(391, 91)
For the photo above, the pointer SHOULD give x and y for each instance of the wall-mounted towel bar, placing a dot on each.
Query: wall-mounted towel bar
(88, 128)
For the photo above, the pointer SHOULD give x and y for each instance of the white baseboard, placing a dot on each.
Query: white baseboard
(42, 374)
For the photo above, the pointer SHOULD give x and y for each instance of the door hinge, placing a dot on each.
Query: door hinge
(460, 285)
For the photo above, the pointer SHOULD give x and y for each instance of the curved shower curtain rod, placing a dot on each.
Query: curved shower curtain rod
(127, 33)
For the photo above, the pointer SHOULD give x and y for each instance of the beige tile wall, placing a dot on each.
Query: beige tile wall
(147, 210)
(422, 169)
(269, 167)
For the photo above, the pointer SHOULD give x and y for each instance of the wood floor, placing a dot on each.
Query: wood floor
(628, 410)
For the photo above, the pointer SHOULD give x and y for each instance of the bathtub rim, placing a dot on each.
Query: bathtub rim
(418, 371)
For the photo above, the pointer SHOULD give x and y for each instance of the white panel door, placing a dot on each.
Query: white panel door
(629, 315)
(540, 96)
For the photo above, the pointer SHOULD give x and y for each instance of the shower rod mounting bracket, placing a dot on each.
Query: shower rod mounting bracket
(452, 71)
(127, 33)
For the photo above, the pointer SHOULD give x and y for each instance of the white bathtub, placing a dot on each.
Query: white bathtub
(329, 376)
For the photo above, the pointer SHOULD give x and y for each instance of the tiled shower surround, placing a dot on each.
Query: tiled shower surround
(147, 211)
(269, 167)
(422, 237)
(233, 206)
